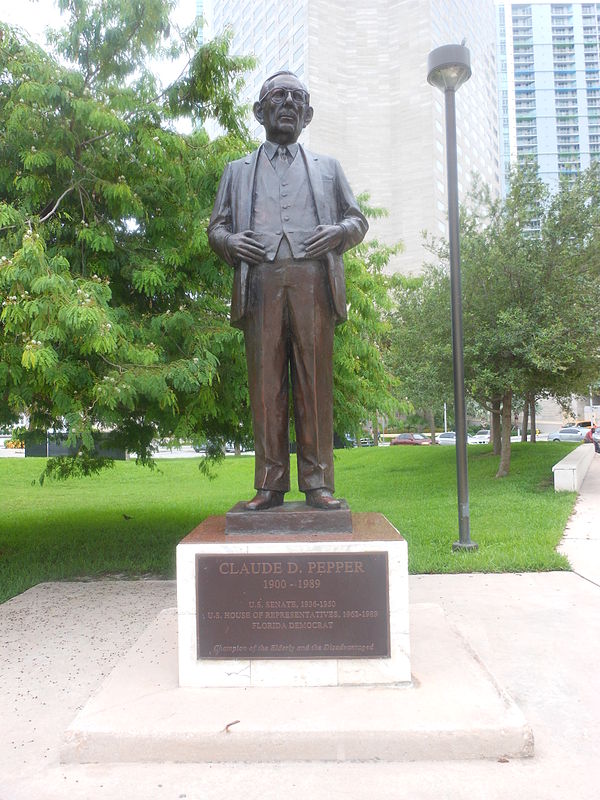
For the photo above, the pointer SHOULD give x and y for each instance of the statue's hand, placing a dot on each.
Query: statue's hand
(243, 247)
(324, 239)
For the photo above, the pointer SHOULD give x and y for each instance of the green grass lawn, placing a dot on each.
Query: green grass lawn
(128, 521)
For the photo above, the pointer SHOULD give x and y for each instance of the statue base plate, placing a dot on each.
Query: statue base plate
(294, 517)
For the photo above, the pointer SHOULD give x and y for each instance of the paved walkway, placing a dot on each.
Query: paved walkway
(539, 634)
(581, 542)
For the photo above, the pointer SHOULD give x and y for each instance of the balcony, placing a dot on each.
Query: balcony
(523, 38)
(524, 86)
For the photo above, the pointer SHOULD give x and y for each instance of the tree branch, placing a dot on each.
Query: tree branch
(82, 205)
(58, 202)
(83, 145)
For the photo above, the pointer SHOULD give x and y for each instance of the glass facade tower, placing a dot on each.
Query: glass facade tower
(552, 66)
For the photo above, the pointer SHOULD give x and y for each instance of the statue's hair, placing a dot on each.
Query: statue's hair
(266, 87)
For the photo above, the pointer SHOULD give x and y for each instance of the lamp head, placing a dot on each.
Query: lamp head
(448, 67)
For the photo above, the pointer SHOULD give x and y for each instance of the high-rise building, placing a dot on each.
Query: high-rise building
(365, 65)
(200, 16)
(549, 77)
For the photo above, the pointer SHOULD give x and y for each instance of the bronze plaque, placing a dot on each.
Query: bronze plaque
(293, 605)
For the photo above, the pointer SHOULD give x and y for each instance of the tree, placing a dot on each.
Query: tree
(114, 308)
(363, 386)
(530, 271)
(529, 293)
(420, 347)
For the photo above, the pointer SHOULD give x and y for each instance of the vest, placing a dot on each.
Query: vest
(283, 207)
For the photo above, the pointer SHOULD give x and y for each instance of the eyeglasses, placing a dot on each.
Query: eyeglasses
(279, 96)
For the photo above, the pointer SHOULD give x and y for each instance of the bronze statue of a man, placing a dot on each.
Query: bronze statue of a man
(282, 218)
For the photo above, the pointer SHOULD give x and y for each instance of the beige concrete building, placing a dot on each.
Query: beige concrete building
(365, 65)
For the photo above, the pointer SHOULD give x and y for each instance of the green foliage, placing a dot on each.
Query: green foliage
(531, 295)
(420, 342)
(80, 466)
(363, 385)
(114, 309)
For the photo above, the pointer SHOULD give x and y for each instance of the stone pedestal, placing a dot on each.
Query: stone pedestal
(175, 698)
(280, 604)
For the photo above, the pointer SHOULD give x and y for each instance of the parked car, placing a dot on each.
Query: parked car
(449, 437)
(411, 438)
(570, 433)
(481, 437)
(596, 439)
(366, 441)
(341, 442)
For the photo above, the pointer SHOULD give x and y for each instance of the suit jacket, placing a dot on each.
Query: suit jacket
(335, 205)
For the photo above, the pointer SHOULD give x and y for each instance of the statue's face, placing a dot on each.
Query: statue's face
(284, 110)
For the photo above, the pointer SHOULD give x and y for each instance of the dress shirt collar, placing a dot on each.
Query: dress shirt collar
(271, 149)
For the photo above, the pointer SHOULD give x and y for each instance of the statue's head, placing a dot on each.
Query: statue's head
(283, 107)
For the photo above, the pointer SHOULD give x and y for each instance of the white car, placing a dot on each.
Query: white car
(481, 437)
(449, 437)
(570, 433)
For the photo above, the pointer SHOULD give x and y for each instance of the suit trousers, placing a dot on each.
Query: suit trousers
(288, 334)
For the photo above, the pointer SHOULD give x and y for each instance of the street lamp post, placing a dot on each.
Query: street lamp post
(448, 68)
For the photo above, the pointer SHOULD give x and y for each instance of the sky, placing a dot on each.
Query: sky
(34, 16)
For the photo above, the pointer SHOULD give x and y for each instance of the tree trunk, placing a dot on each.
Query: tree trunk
(495, 429)
(533, 420)
(430, 417)
(504, 466)
(525, 419)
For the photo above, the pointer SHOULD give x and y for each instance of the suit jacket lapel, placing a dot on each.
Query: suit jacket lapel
(246, 190)
(316, 183)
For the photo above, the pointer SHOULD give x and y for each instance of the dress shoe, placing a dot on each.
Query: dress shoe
(264, 499)
(322, 498)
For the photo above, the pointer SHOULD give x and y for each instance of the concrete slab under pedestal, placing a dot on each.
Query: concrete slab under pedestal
(453, 710)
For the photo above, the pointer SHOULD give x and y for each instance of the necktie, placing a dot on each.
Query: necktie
(281, 160)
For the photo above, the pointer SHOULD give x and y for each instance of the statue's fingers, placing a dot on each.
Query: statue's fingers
(252, 252)
(315, 239)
